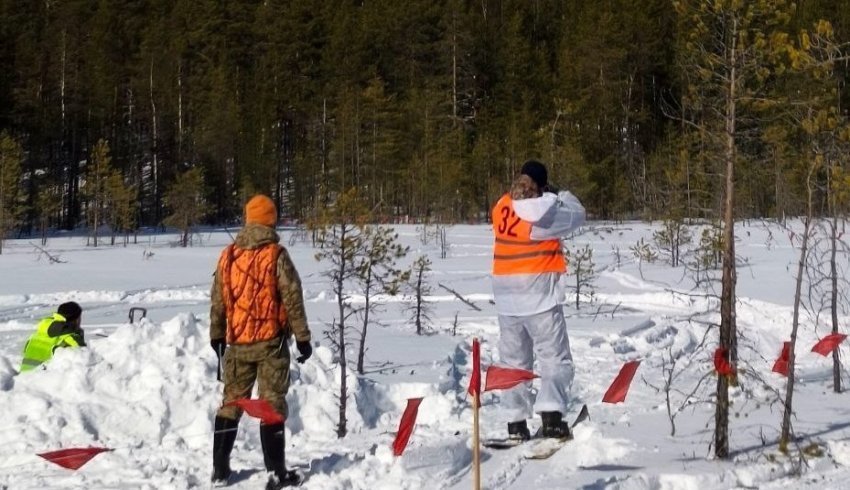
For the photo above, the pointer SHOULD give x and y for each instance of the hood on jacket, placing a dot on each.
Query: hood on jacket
(255, 236)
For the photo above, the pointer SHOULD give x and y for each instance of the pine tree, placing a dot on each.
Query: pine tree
(186, 200)
(377, 274)
(420, 311)
(98, 171)
(583, 269)
(48, 204)
(815, 115)
(121, 206)
(11, 208)
(342, 243)
(730, 50)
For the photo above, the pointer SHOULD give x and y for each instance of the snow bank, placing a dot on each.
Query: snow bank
(149, 392)
(145, 391)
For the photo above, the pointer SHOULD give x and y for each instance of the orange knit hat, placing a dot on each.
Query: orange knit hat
(261, 210)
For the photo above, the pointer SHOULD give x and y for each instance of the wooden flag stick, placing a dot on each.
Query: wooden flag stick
(476, 445)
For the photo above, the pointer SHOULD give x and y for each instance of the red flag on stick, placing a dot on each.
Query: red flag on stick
(405, 427)
(781, 364)
(475, 378)
(721, 364)
(501, 378)
(828, 343)
(259, 409)
(73, 458)
(617, 391)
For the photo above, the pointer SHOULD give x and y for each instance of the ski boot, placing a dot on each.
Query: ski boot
(518, 431)
(554, 426)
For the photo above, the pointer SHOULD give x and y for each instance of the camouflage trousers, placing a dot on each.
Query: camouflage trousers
(267, 363)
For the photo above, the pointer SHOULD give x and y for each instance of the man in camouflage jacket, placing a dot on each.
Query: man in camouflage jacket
(257, 304)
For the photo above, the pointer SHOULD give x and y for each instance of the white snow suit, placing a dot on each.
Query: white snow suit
(528, 264)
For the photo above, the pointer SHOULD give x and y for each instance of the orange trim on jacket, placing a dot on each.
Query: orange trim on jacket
(514, 251)
(250, 294)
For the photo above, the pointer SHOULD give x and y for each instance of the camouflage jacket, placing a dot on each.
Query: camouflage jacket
(288, 284)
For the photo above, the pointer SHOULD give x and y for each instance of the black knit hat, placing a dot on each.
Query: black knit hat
(70, 310)
(537, 172)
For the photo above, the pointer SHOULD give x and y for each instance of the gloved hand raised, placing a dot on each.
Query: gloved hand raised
(306, 350)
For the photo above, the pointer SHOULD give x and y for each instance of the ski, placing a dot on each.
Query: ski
(501, 443)
(583, 415)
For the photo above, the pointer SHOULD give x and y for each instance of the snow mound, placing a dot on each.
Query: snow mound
(149, 391)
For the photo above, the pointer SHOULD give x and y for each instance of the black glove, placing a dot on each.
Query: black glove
(305, 349)
(218, 346)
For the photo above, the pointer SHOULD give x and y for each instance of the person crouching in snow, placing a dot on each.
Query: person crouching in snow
(528, 263)
(61, 329)
(257, 304)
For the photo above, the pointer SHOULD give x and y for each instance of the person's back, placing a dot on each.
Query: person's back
(257, 304)
(247, 272)
(61, 329)
(528, 260)
(528, 263)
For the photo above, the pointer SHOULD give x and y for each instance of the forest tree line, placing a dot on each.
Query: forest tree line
(122, 111)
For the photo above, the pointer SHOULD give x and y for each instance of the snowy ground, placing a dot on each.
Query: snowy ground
(149, 390)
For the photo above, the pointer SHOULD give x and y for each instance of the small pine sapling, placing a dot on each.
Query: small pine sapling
(643, 252)
(582, 268)
(420, 288)
(342, 241)
(377, 274)
(671, 238)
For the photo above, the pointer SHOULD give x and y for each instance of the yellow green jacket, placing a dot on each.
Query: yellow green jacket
(51, 333)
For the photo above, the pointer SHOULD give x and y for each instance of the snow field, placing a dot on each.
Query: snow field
(148, 390)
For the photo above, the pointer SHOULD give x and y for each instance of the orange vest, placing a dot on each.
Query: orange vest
(515, 252)
(249, 289)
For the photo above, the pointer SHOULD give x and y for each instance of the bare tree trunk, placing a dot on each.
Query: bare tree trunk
(833, 276)
(97, 199)
(62, 83)
(777, 182)
(180, 111)
(367, 291)
(155, 161)
(728, 330)
(373, 185)
(419, 302)
(343, 368)
(454, 69)
(95, 223)
(785, 437)
(578, 286)
(324, 181)
(355, 162)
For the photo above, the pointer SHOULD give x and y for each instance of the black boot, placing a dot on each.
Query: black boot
(223, 439)
(519, 430)
(272, 438)
(554, 426)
